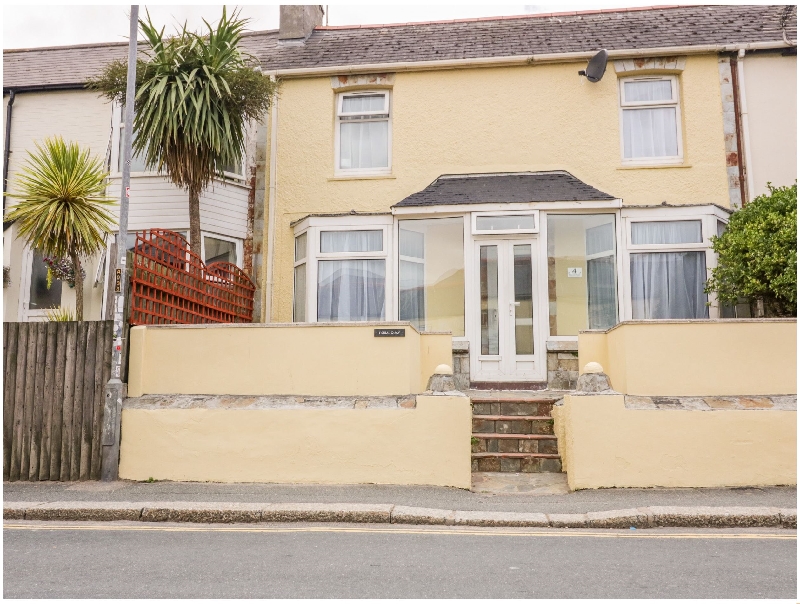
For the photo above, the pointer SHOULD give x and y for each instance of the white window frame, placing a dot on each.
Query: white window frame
(674, 102)
(707, 215)
(534, 230)
(387, 110)
(295, 264)
(314, 225)
(239, 245)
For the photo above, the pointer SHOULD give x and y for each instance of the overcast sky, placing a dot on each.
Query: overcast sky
(31, 26)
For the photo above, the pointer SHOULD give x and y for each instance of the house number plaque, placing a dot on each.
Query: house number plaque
(118, 281)
(390, 333)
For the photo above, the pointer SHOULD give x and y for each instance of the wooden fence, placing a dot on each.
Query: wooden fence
(54, 379)
(172, 284)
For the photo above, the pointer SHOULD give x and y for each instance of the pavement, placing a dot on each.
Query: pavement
(496, 500)
(156, 560)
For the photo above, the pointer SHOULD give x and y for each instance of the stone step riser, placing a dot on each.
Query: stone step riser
(541, 426)
(540, 408)
(528, 465)
(515, 445)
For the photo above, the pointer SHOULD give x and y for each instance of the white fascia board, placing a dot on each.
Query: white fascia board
(687, 210)
(343, 220)
(612, 204)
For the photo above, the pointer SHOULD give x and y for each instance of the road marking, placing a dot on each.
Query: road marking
(509, 532)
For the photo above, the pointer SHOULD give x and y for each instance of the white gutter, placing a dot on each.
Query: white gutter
(273, 199)
(745, 126)
(562, 57)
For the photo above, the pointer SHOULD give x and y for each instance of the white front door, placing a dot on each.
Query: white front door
(505, 342)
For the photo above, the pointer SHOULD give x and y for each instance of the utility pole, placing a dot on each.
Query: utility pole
(115, 389)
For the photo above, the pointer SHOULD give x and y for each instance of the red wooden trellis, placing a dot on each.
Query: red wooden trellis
(171, 284)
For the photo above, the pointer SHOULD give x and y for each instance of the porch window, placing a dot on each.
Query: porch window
(581, 269)
(363, 131)
(668, 284)
(300, 251)
(351, 285)
(431, 292)
(650, 119)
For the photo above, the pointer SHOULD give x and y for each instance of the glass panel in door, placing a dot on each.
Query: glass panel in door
(523, 299)
(490, 320)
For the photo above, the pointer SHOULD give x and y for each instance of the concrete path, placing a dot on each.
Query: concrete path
(542, 499)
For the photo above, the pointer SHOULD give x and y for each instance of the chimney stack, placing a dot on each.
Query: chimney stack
(297, 22)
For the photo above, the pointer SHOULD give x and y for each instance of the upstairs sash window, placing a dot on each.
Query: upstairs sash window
(650, 120)
(363, 132)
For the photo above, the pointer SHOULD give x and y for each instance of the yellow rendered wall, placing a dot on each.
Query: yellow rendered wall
(605, 445)
(538, 117)
(324, 359)
(694, 358)
(428, 445)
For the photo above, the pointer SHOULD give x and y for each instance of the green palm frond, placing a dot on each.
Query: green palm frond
(194, 94)
(63, 209)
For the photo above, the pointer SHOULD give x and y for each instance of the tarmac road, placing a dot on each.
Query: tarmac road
(135, 560)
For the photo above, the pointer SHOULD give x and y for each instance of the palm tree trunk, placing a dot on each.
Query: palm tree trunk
(76, 265)
(194, 221)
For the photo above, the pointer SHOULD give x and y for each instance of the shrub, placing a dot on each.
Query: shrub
(758, 254)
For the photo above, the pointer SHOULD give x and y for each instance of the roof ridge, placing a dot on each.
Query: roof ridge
(66, 47)
(246, 34)
(507, 17)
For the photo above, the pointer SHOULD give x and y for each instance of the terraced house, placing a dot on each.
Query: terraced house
(463, 176)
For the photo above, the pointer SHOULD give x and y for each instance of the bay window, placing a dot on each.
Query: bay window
(668, 269)
(650, 120)
(363, 133)
(341, 271)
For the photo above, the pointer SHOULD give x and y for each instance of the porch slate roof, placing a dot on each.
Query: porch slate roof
(617, 29)
(504, 188)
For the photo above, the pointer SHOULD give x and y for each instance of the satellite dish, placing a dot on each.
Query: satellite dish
(596, 68)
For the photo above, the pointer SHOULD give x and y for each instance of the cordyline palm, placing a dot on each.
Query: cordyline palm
(194, 95)
(63, 210)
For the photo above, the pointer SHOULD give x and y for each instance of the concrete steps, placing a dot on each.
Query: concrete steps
(513, 432)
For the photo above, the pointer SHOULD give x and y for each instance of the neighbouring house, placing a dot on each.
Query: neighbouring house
(462, 175)
(44, 95)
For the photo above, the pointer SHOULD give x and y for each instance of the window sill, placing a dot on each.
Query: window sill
(389, 176)
(652, 166)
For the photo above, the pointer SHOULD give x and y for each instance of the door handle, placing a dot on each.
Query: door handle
(511, 306)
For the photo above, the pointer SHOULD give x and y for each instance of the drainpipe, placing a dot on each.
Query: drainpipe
(737, 113)
(273, 198)
(745, 123)
(7, 152)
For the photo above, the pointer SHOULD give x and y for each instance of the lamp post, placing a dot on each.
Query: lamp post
(115, 389)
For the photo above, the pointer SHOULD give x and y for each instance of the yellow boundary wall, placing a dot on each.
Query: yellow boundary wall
(261, 359)
(695, 358)
(427, 445)
(603, 444)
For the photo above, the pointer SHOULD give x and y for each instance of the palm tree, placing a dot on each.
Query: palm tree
(62, 210)
(194, 94)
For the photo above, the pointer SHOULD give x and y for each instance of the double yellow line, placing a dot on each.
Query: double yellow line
(489, 532)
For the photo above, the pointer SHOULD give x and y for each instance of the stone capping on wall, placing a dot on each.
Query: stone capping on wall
(697, 321)
(562, 345)
(279, 325)
(671, 64)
